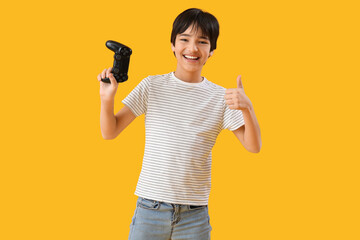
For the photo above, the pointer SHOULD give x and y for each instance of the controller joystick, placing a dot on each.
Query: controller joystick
(121, 61)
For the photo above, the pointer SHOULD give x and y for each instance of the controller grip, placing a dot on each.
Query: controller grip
(118, 77)
(105, 80)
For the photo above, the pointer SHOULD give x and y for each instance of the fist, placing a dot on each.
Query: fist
(107, 90)
(236, 98)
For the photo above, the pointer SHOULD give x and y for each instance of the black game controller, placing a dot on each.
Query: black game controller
(121, 61)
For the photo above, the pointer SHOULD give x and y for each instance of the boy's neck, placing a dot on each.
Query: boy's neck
(190, 77)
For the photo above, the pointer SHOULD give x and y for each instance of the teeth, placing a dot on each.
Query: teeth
(190, 57)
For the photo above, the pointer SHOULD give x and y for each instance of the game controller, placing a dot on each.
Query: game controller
(121, 61)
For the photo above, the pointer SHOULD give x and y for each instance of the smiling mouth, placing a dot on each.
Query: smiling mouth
(191, 57)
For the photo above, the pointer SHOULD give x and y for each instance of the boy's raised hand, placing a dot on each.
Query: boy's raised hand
(236, 97)
(107, 90)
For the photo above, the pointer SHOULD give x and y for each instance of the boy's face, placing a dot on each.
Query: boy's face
(192, 50)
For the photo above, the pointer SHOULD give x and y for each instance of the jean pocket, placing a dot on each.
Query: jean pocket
(195, 207)
(149, 204)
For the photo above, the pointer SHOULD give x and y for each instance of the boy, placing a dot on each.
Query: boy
(184, 115)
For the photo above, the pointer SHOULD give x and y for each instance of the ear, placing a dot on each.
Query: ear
(173, 49)
(211, 53)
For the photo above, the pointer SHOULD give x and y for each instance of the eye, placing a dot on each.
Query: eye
(183, 39)
(202, 42)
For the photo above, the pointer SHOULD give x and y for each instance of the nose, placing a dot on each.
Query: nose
(193, 47)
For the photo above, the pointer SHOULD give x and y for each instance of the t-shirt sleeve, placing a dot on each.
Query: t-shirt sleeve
(232, 119)
(137, 100)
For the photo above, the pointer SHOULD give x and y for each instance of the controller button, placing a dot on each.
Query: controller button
(118, 57)
(116, 70)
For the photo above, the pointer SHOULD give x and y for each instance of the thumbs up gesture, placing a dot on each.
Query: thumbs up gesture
(236, 97)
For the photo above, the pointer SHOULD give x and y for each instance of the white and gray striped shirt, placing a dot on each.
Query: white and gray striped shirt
(182, 122)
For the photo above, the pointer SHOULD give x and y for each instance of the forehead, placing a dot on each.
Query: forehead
(194, 31)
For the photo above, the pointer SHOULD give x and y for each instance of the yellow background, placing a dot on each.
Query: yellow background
(299, 62)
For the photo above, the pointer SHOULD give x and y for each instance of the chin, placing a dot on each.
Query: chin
(192, 69)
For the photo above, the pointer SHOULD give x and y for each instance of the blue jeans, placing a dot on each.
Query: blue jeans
(154, 220)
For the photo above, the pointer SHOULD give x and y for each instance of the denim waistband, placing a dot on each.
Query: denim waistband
(173, 204)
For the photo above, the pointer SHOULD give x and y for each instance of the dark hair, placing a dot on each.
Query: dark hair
(198, 18)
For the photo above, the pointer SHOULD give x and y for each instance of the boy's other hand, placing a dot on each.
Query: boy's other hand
(107, 90)
(236, 97)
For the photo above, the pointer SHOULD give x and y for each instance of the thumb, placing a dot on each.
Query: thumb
(239, 82)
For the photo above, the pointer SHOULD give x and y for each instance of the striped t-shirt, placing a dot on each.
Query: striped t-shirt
(182, 122)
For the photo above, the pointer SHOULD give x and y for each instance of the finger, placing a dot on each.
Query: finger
(239, 82)
(99, 77)
(228, 96)
(229, 102)
(229, 91)
(112, 79)
(103, 73)
(233, 101)
(231, 105)
(108, 71)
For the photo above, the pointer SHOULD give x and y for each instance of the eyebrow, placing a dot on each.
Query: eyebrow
(187, 35)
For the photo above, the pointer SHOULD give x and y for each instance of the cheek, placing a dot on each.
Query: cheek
(206, 50)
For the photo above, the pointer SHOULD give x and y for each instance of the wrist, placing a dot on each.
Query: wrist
(248, 109)
(107, 100)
